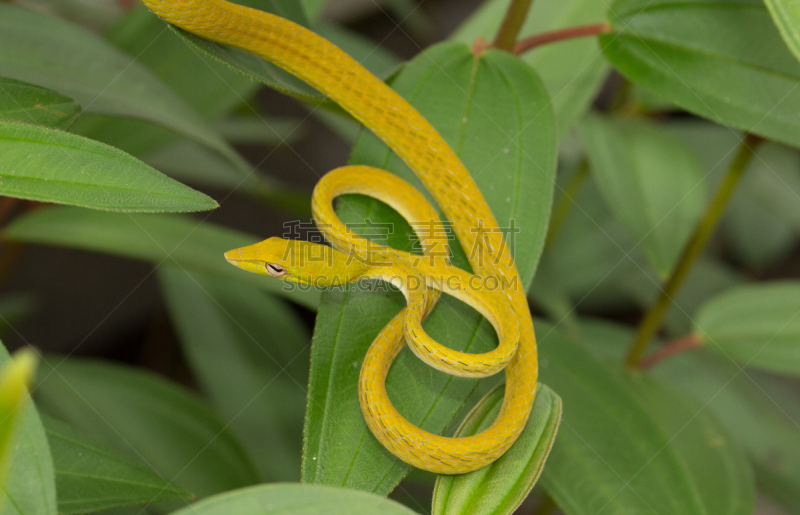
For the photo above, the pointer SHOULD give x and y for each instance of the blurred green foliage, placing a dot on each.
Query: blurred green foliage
(604, 151)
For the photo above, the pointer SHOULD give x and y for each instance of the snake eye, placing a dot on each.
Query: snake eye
(275, 270)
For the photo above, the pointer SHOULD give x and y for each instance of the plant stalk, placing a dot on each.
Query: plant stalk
(512, 24)
(693, 249)
(690, 342)
(579, 31)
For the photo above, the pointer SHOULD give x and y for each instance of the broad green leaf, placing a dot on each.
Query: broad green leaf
(152, 421)
(373, 57)
(786, 15)
(97, 14)
(762, 415)
(693, 53)
(184, 241)
(572, 71)
(16, 377)
(91, 477)
(53, 53)
(48, 165)
(28, 487)
(495, 114)
(296, 499)
(144, 35)
(707, 279)
(631, 444)
(250, 353)
(756, 325)
(28, 103)
(591, 256)
(594, 266)
(192, 163)
(650, 180)
(763, 218)
(502, 486)
(313, 8)
(549, 295)
(257, 69)
(255, 130)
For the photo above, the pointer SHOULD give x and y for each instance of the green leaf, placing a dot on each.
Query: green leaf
(502, 486)
(16, 376)
(144, 35)
(250, 353)
(74, 62)
(761, 414)
(27, 103)
(152, 421)
(631, 444)
(651, 182)
(572, 71)
(786, 15)
(763, 219)
(706, 279)
(494, 113)
(257, 69)
(97, 14)
(756, 325)
(693, 53)
(175, 239)
(296, 499)
(255, 130)
(91, 477)
(313, 8)
(187, 161)
(591, 256)
(53, 166)
(28, 487)
(374, 58)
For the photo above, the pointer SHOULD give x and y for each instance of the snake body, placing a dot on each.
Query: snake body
(334, 73)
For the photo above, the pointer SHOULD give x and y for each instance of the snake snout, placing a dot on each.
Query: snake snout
(234, 256)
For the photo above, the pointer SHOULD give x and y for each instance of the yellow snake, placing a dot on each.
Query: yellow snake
(352, 258)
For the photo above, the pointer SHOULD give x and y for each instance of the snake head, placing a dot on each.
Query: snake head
(298, 261)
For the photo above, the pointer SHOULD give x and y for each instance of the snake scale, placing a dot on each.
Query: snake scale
(331, 71)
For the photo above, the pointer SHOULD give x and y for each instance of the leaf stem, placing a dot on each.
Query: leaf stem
(566, 201)
(693, 249)
(578, 31)
(512, 24)
(689, 342)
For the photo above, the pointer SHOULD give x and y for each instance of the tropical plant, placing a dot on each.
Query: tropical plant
(643, 152)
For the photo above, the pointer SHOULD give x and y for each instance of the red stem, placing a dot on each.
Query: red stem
(579, 31)
(682, 345)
